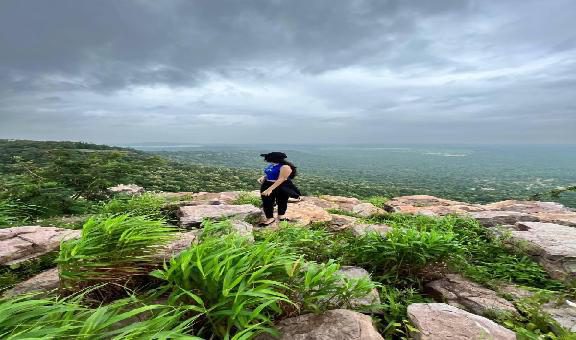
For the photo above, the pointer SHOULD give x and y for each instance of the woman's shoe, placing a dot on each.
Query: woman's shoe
(264, 224)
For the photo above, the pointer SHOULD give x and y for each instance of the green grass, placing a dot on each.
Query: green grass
(377, 201)
(112, 249)
(342, 212)
(10, 276)
(248, 198)
(141, 205)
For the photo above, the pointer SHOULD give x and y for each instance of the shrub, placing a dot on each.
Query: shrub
(142, 205)
(34, 317)
(112, 249)
(248, 198)
(377, 201)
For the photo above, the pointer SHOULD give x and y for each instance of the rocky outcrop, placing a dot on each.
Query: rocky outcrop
(439, 321)
(564, 314)
(528, 207)
(43, 282)
(18, 244)
(553, 246)
(126, 189)
(567, 219)
(305, 213)
(341, 202)
(363, 229)
(367, 210)
(192, 216)
(181, 242)
(244, 229)
(358, 273)
(337, 324)
(495, 218)
(342, 222)
(429, 205)
(457, 291)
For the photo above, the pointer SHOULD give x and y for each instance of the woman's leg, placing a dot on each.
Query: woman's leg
(282, 201)
(267, 201)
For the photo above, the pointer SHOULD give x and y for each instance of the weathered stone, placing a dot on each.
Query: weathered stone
(324, 204)
(344, 203)
(494, 218)
(46, 281)
(337, 324)
(357, 273)
(567, 219)
(429, 205)
(243, 229)
(127, 189)
(367, 209)
(553, 245)
(363, 229)
(457, 291)
(341, 222)
(439, 321)
(564, 314)
(528, 207)
(305, 213)
(193, 215)
(18, 244)
(181, 242)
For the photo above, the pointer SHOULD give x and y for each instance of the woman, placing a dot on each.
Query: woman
(277, 186)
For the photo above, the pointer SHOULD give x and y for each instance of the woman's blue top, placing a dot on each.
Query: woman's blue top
(272, 171)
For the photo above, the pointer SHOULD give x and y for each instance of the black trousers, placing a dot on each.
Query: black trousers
(278, 196)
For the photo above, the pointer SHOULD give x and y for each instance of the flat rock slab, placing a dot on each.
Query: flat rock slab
(341, 222)
(19, 244)
(363, 229)
(567, 218)
(553, 245)
(367, 209)
(352, 272)
(337, 324)
(495, 218)
(46, 281)
(305, 213)
(429, 205)
(457, 291)
(564, 314)
(192, 216)
(528, 207)
(341, 202)
(439, 321)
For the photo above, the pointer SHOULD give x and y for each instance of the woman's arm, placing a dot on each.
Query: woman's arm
(285, 172)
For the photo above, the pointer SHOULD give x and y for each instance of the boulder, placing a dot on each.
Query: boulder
(44, 282)
(305, 213)
(528, 207)
(126, 189)
(367, 209)
(337, 324)
(243, 229)
(429, 205)
(18, 244)
(341, 202)
(553, 246)
(193, 215)
(457, 291)
(363, 229)
(341, 222)
(352, 272)
(180, 243)
(439, 321)
(494, 218)
(564, 314)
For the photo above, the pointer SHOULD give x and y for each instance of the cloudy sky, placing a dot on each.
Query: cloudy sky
(290, 71)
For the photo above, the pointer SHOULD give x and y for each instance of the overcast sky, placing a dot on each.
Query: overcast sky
(291, 71)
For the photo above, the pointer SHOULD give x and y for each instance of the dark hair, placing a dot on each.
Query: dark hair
(280, 158)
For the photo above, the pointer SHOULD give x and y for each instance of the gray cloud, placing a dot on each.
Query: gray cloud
(329, 71)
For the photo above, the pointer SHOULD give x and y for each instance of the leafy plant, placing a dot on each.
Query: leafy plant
(35, 317)
(146, 204)
(112, 249)
(248, 198)
(377, 201)
(342, 212)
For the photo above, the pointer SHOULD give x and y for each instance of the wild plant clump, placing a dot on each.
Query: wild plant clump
(112, 249)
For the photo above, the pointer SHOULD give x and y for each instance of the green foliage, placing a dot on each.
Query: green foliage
(34, 317)
(10, 213)
(11, 275)
(112, 249)
(342, 212)
(377, 201)
(395, 302)
(248, 198)
(146, 204)
(237, 288)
